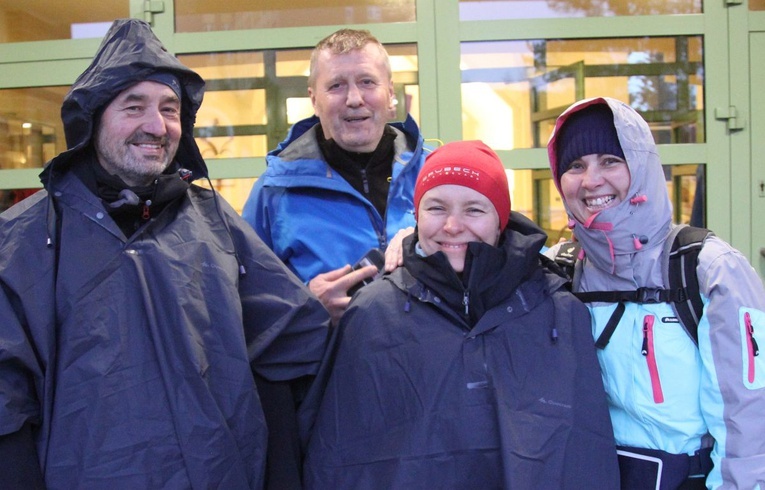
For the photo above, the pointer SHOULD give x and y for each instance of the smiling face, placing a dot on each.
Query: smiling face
(139, 132)
(593, 183)
(352, 96)
(450, 217)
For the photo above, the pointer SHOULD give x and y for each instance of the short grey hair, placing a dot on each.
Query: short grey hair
(345, 41)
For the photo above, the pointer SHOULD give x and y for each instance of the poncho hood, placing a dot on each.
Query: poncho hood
(624, 243)
(128, 54)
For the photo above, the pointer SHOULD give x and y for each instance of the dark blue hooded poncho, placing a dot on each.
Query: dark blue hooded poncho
(132, 359)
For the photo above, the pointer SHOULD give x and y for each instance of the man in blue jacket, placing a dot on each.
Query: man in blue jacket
(343, 180)
(137, 309)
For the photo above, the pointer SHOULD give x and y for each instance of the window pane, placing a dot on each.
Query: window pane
(547, 9)
(293, 63)
(246, 112)
(62, 19)
(204, 15)
(31, 132)
(686, 185)
(513, 91)
(549, 212)
(232, 120)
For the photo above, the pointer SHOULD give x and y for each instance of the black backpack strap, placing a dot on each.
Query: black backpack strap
(608, 331)
(680, 258)
(639, 295)
(566, 258)
(556, 269)
(685, 243)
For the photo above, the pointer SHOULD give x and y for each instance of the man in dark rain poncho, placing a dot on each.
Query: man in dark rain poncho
(137, 309)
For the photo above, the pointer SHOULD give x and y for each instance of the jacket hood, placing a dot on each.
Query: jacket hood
(626, 240)
(128, 54)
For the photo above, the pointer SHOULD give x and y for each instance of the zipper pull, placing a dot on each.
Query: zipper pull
(365, 181)
(644, 349)
(636, 242)
(750, 330)
(650, 357)
(466, 302)
(185, 174)
(146, 214)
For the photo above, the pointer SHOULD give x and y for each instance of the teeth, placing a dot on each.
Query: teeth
(599, 201)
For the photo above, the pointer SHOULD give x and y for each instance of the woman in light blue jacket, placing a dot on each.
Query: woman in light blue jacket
(690, 416)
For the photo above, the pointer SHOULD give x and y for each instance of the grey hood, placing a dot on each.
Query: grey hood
(615, 257)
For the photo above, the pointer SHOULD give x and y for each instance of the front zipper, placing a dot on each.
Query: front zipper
(650, 357)
(365, 181)
(146, 213)
(752, 348)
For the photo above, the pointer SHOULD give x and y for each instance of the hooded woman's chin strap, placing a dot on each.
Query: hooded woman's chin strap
(605, 227)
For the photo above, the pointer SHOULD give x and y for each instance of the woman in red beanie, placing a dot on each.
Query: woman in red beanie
(468, 367)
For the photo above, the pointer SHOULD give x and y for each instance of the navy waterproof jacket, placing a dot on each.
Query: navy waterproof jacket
(132, 358)
(436, 384)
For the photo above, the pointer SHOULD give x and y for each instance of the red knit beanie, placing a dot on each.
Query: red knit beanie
(471, 164)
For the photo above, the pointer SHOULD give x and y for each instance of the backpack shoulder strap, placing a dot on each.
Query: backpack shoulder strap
(679, 261)
(567, 256)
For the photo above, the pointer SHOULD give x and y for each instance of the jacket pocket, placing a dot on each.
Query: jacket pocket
(650, 356)
(752, 323)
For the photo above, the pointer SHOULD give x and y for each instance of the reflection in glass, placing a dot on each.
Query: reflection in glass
(547, 9)
(31, 132)
(220, 66)
(293, 62)
(686, 184)
(60, 19)
(204, 15)
(234, 191)
(298, 108)
(512, 91)
(549, 212)
(230, 146)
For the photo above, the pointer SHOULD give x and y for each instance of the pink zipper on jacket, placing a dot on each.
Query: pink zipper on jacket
(751, 346)
(650, 357)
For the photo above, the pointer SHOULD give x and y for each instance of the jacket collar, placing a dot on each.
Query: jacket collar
(493, 275)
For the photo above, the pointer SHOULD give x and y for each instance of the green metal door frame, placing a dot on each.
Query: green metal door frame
(754, 176)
